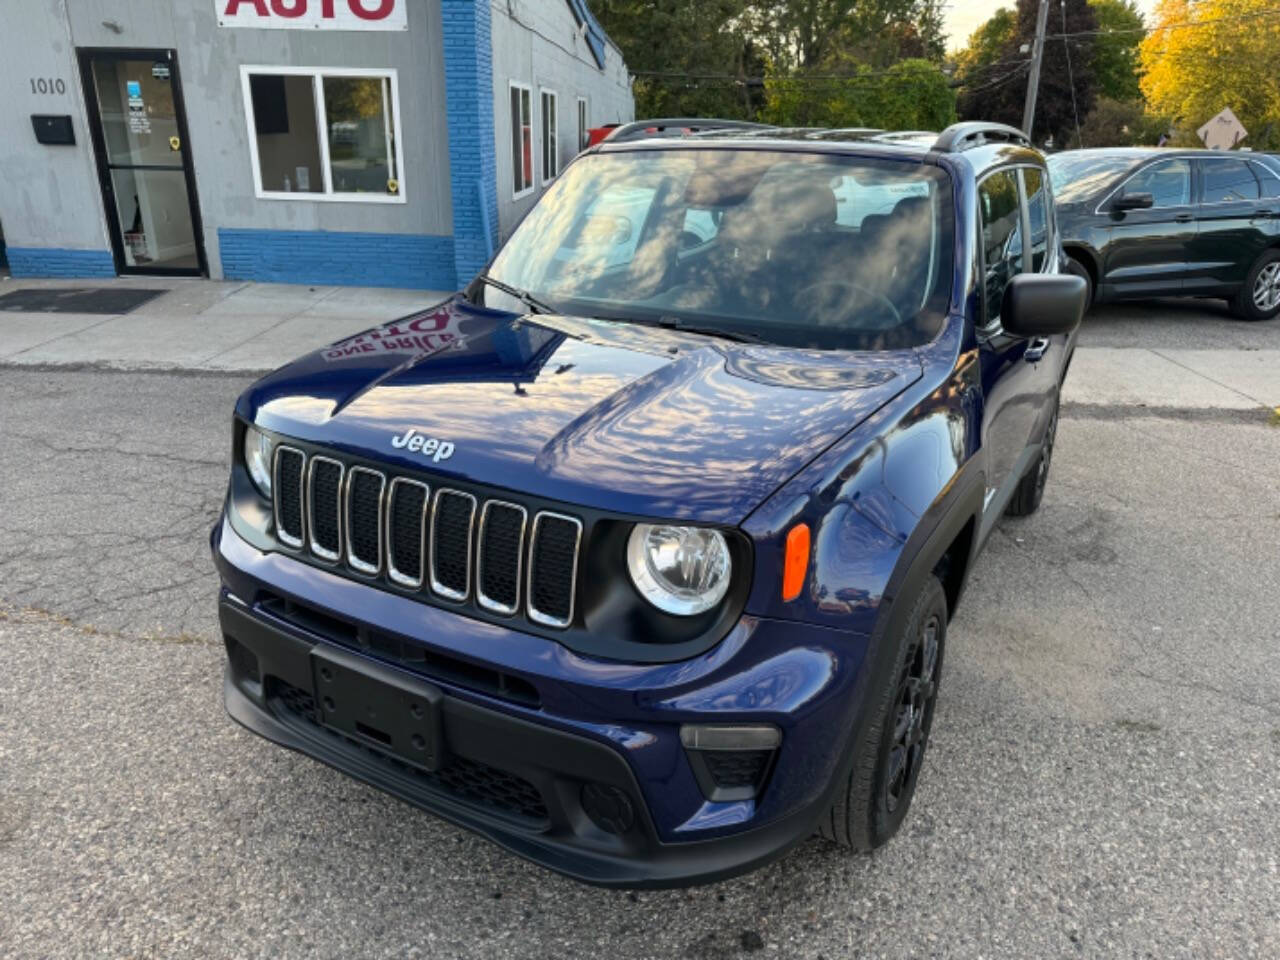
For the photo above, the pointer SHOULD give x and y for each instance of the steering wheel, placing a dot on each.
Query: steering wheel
(850, 298)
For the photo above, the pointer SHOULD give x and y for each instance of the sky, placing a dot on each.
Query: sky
(965, 16)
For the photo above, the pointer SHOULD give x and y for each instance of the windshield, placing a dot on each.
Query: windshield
(798, 249)
(1078, 176)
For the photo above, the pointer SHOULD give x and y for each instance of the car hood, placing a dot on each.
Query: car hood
(617, 416)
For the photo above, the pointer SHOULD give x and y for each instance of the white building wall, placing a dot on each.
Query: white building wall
(538, 43)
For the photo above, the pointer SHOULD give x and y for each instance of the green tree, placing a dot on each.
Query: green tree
(1067, 86)
(1115, 49)
(1122, 123)
(986, 44)
(689, 59)
(911, 95)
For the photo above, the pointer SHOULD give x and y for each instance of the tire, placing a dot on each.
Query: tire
(1259, 298)
(871, 805)
(1077, 267)
(1026, 499)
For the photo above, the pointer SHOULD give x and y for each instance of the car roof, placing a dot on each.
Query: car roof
(918, 145)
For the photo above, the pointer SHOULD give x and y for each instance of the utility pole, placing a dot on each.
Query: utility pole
(1037, 54)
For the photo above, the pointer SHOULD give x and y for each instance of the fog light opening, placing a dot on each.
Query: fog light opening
(608, 807)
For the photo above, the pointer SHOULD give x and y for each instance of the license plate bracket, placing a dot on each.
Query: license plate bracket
(394, 713)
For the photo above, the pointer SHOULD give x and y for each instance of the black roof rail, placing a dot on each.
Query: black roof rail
(966, 136)
(639, 129)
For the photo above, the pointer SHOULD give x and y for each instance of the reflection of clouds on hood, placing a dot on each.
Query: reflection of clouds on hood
(705, 432)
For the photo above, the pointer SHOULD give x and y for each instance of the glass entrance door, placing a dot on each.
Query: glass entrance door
(139, 134)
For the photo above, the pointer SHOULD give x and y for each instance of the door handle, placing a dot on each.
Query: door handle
(1036, 349)
(1183, 218)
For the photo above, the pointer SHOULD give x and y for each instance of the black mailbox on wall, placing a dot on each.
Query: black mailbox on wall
(53, 128)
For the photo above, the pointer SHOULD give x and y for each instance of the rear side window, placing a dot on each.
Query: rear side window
(1001, 223)
(1037, 209)
(1169, 183)
(1226, 181)
(1270, 181)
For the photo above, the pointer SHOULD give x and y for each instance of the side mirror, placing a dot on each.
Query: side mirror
(1043, 304)
(1133, 201)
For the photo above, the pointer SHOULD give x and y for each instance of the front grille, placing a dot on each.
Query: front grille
(325, 499)
(465, 779)
(287, 484)
(501, 547)
(422, 538)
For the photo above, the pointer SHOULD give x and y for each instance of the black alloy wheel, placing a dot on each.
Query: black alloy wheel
(917, 696)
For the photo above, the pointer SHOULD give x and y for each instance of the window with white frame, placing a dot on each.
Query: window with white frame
(583, 129)
(324, 133)
(521, 139)
(550, 142)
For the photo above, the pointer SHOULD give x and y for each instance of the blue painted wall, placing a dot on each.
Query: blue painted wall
(417, 261)
(473, 168)
(60, 262)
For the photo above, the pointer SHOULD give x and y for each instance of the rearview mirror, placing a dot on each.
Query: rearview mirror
(1043, 304)
(1133, 201)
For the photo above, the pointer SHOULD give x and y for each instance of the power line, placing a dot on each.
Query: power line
(1071, 82)
(1183, 25)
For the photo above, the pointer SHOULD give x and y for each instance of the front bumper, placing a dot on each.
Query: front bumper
(518, 773)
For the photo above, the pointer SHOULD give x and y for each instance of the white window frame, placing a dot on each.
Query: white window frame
(583, 113)
(317, 75)
(515, 122)
(544, 92)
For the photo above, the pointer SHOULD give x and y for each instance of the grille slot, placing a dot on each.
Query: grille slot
(324, 499)
(287, 487)
(406, 531)
(451, 518)
(364, 519)
(499, 556)
(553, 568)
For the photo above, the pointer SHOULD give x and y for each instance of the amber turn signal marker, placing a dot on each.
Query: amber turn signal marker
(797, 561)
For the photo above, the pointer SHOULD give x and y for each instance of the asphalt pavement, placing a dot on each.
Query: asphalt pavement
(1102, 779)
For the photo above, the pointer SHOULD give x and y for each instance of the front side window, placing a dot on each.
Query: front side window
(1269, 179)
(521, 140)
(1169, 183)
(1228, 181)
(1038, 211)
(747, 241)
(550, 144)
(324, 134)
(1001, 229)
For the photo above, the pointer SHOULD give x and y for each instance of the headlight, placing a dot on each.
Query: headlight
(257, 457)
(682, 570)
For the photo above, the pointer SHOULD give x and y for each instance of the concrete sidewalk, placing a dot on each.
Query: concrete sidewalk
(208, 325)
(199, 324)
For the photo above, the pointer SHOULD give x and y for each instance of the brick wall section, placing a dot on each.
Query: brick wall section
(468, 76)
(412, 261)
(60, 262)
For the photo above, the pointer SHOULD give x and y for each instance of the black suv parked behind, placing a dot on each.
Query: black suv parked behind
(1197, 223)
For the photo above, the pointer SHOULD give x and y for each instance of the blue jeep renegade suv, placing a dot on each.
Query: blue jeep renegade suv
(637, 556)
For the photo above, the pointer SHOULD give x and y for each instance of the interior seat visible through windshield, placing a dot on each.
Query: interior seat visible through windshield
(819, 250)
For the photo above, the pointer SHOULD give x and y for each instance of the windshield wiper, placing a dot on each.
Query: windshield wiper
(524, 296)
(738, 336)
